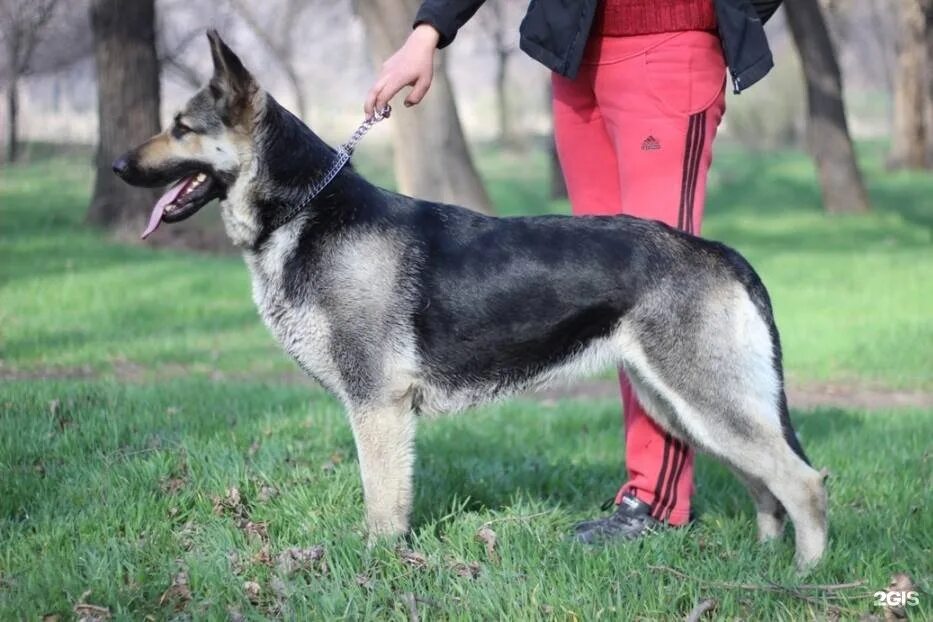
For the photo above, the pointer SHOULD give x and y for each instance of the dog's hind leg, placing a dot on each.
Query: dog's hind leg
(385, 448)
(770, 512)
(782, 480)
(721, 382)
(777, 477)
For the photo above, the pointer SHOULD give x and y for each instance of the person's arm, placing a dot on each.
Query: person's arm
(447, 16)
(436, 25)
(766, 8)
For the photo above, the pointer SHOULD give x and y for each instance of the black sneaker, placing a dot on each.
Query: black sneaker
(631, 520)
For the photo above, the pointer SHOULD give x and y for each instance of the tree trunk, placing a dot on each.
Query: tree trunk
(12, 139)
(928, 37)
(297, 91)
(558, 183)
(827, 130)
(127, 104)
(908, 139)
(432, 159)
(502, 100)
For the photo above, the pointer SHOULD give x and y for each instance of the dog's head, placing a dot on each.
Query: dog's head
(206, 147)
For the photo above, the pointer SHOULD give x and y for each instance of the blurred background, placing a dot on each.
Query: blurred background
(821, 172)
(82, 73)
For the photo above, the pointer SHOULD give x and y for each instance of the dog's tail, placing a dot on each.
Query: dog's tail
(790, 435)
(762, 301)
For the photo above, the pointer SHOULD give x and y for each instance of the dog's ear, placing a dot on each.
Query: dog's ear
(232, 86)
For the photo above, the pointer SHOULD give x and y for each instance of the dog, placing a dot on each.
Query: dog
(402, 307)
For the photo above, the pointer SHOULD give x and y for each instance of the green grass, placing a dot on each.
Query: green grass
(84, 507)
(108, 479)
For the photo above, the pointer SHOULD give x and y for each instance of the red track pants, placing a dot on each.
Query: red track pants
(634, 135)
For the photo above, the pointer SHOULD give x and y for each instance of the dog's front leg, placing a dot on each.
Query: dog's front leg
(385, 448)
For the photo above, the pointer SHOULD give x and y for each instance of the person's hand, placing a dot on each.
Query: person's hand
(412, 65)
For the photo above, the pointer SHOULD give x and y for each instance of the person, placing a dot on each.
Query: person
(638, 94)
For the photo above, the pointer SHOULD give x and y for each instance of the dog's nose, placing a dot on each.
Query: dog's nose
(121, 165)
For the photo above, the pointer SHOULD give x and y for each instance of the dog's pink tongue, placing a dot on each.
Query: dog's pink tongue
(156, 218)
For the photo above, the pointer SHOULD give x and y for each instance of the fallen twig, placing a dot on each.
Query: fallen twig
(794, 591)
(411, 602)
(503, 519)
(771, 587)
(707, 604)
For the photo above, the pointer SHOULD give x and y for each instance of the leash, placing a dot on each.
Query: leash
(344, 153)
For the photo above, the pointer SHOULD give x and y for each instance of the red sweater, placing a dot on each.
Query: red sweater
(616, 18)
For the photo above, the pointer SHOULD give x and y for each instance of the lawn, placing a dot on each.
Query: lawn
(159, 456)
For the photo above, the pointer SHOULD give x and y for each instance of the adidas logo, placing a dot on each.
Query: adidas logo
(650, 144)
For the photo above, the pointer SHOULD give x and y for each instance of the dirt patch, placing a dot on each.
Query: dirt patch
(800, 395)
(84, 372)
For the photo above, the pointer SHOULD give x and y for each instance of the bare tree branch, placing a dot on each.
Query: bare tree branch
(22, 23)
(499, 19)
(278, 40)
(172, 59)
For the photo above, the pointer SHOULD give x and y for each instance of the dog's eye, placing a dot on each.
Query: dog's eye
(180, 129)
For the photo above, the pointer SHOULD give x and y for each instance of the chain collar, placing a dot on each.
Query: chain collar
(344, 153)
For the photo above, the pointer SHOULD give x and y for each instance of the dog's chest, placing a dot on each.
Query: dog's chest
(300, 326)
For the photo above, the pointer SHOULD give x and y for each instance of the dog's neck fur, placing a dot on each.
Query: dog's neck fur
(291, 159)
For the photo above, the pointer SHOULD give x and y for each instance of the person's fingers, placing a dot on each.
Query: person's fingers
(385, 95)
(418, 92)
(370, 103)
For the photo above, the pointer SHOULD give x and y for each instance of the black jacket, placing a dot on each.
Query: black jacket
(554, 32)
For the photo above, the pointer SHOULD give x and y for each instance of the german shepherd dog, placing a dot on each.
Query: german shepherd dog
(401, 307)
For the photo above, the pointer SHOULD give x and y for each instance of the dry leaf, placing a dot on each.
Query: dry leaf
(62, 420)
(186, 535)
(469, 570)
(255, 530)
(266, 493)
(233, 558)
(172, 485)
(279, 588)
(231, 504)
(488, 537)
(412, 558)
(252, 590)
(295, 559)
(87, 612)
(51, 617)
(901, 583)
(178, 593)
(263, 556)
